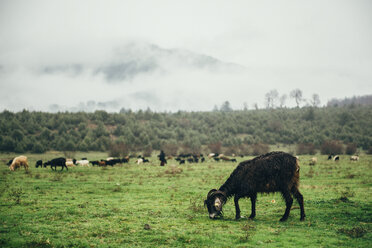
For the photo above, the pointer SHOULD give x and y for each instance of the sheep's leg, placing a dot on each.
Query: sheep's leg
(253, 205)
(237, 208)
(288, 202)
(300, 199)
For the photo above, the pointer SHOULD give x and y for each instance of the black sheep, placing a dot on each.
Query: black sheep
(56, 162)
(96, 162)
(9, 162)
(39, 163)
(272, 172)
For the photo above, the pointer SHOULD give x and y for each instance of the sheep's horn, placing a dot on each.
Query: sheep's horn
(211, 192)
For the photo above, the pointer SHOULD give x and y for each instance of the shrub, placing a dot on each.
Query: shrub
(38, 148)
(193, 150)
(16, 195)
(258, 149)
(332, 147)
(231, 150)
(147, 151)
(351, 149)
(369, 150)
(306, 148)
(355, 232)
(118, 150)
(215, 147)
(244, 150)
(69, 154)
(170, 149)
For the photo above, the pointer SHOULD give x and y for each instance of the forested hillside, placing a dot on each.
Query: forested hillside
(146, 130)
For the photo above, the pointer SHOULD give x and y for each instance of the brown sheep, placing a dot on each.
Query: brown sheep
(18, 162)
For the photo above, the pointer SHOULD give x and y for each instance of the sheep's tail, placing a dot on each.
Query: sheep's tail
(296, 175)
(297, 166)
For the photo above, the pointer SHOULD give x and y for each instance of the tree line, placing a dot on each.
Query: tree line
(146, 130)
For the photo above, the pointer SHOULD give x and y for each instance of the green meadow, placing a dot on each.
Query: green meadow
(146, 205)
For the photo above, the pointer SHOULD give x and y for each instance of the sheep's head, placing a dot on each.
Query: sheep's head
(215, 200)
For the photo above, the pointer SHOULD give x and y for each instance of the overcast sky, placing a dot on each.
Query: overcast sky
(180, 55)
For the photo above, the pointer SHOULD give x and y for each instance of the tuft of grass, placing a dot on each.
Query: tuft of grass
(196, 205)
(248, 230)
(57, 177)
(355, 232)
(117, 188)
(310, 173)
(16, 195)
(173, 170)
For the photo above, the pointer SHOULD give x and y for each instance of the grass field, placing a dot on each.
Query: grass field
(151, 206)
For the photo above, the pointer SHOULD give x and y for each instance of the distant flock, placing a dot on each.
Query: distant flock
(20, 161)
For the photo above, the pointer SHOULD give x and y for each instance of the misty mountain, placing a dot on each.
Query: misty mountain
(134, 59)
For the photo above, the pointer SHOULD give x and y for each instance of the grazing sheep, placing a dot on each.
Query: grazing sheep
(70, 162)
(354, 158)
(39, 163)
(56, 162)
(336, 158)
(96, 162)
(272, 172)
(82, 163)
(313, 161)
(125, 160)
(227, 158)
(190, 160)
(113, 161)
(18, 162)
(213, 155)
(142, 159)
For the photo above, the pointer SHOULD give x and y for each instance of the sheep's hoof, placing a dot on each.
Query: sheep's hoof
(252, 217)
(283, 219)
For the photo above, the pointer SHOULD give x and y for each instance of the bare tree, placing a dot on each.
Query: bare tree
(315, 100)
(282, 100)
(271, 98)
(297, 95)
(245, 106)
